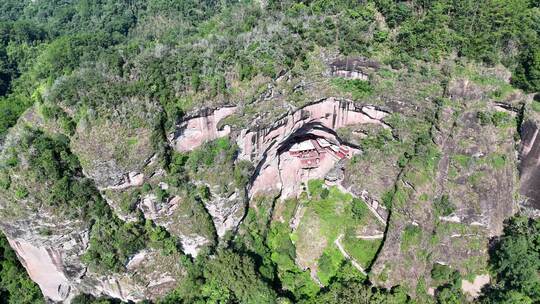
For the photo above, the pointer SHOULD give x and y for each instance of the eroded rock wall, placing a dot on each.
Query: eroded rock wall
(447, 206)
(203, 127)
(529, 166)
(321, 119)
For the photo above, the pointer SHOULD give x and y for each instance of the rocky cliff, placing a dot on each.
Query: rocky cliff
(436, 177)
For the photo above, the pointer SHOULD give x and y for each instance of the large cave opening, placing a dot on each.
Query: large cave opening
(311, 152)
(303, 145)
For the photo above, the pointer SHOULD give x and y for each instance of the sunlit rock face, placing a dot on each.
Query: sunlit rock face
(269, 148)
(203, 127)
(353, 68)
(44, 266)
(529, 166)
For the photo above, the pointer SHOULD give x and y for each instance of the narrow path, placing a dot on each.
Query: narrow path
(343, 189)
(313, 274)
(370, 237)
(347, 256)
(298, 213)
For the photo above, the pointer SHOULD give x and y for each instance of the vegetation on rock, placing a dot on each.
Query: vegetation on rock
(92, 92)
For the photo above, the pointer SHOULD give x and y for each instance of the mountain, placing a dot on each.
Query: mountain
(186, 151)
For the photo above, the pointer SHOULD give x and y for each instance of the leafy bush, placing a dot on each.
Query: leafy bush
(358, 208)
(498, 118)
(89, 299)
(449, 284)
(527, 73)
(358, 88)
(442, 273)
(355, 291)
(444, 206)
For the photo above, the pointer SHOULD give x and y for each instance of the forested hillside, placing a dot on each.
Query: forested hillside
(141, 139)
(207, 48)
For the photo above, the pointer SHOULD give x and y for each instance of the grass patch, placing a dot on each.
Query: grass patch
(535, 105)
(503, 91)
(337, 213)
(476, 178)
(412, 235)
(315, 187)
(463, 160)
(132, 141)
(356, 87)
(363, 251)
(444, 206)
(497, 161)
(329, 264)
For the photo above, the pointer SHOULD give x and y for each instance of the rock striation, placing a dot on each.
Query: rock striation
(265, 146)
(203, 127)
(529, 166)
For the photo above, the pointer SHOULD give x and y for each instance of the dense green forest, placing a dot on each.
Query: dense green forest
(47, 41)
(180, 54)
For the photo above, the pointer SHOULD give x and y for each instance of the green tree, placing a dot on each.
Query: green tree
(527, 73)
(234, 273)
(515, 260)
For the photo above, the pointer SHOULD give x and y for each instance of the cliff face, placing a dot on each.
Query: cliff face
(51, 237)
(267, 147)
(529, 165)
(193, 132)
(436, 179)
(448, 205)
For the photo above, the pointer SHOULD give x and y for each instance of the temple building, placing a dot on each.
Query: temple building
(312, 151)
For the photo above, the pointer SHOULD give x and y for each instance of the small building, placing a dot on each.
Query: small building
(312, 151)
(300, 148)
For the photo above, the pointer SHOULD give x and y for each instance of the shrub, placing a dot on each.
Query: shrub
(324, 193)
(358, 208)
(411, 236)
(204, 192)
(161, 194)
(484, 118)
(358, 88)
(444, 206)
(527, 73)
(146, 188)
(21, 192)
(387, 199)
(441, 273)
(514, 259)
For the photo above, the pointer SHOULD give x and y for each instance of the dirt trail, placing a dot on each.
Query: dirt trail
(347, 256)
(371, 237)
(474, 288)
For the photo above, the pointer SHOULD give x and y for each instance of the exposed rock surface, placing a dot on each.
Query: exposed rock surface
(474, 288)
(132, 179)
(193, 132)
(112, 148)
(529, 166)
(472, 168)
(50, 244)
(264, 147)
(226, 212)
(44, 267)
(354, 68)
